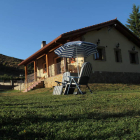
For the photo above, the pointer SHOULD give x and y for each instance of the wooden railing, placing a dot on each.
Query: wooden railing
(55, 69)
(59, 68)
(31, 78)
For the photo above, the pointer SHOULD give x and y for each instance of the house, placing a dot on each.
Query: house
(117, 60)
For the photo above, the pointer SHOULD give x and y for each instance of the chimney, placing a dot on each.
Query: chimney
(43, 44)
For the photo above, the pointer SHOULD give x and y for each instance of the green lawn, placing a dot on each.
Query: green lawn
(111, 112)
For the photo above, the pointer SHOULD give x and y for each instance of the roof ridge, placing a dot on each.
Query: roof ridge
(90, 26)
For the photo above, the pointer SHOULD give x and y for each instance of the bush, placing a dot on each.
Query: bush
(7, 77)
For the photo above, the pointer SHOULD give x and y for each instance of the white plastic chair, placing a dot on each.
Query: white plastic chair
(60, 85)
(83, 78)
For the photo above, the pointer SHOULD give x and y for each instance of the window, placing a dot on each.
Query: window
(118, 56)
(59, 65)
(44, 68)
(101, 54)
(133, 57)
(72, 60)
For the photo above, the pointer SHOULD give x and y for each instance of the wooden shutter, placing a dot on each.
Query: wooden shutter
(103, 54)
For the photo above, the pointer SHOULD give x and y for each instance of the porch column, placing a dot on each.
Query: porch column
(35, 71)
(47, 64)
(65, 63)
(26, 73)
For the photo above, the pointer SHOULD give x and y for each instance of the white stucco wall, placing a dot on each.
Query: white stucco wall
(40, 63)
(109, 39)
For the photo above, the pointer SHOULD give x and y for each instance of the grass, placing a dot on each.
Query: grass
(111, 112)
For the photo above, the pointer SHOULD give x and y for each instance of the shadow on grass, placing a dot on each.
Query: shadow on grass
(7, 91)
(32, 118)
(14, 135)
(3, 90)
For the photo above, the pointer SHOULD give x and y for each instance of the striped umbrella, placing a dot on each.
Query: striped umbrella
(76, 48)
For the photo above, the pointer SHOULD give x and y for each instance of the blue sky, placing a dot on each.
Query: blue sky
(24, 24)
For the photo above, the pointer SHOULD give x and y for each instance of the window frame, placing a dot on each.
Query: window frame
(55, 62)
(136, 57)
(44, 69)
(102, 50)
(118, 58)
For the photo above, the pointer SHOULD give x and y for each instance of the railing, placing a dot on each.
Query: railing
(55, 69)
(31, 78)
(59, 68)
(73, 68)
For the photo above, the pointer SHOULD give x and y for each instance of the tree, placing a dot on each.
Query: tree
(134, 21)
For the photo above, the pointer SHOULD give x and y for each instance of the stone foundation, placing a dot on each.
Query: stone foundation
(115, 77)
(101, 77)
(19, 86)
(50, 81)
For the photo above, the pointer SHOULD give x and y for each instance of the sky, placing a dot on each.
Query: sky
(24, 24)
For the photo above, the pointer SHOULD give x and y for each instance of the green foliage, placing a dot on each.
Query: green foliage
(7, 77)
(134, 21)
(9, 66)
(108, 114)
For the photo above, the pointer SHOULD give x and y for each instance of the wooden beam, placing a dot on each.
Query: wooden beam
(26, 73)
(55, 48)
(57, 42)
(41, 56)
(47, 64)
(35, 71)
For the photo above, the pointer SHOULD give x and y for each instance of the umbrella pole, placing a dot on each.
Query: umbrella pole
(77, 62)
(77, 67)
(64, 65)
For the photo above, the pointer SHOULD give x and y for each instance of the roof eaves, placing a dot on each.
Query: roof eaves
(36, 54)
(80, 31)
(65, 35)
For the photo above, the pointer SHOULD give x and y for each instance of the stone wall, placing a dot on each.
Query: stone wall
(6, 83)
(12, 85)
(115, 77)
(101, 77)
(19, 86)
(50, 81)
(96, 77)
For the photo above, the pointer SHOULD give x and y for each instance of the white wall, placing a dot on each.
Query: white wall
(111, 39)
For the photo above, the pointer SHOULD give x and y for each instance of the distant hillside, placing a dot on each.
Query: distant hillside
(9, 66)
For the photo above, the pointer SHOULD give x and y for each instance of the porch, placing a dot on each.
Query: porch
(50, 69)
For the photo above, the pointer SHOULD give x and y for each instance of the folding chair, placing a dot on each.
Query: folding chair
(83, 78)
(60, 85)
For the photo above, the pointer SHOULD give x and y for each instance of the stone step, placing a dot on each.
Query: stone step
(35, 84)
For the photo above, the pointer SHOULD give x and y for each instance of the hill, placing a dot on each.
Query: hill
(9, 66)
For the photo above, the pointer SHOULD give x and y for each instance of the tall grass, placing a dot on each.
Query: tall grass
(111, 112)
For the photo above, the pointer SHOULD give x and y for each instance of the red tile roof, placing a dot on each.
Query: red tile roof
(69, 36)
